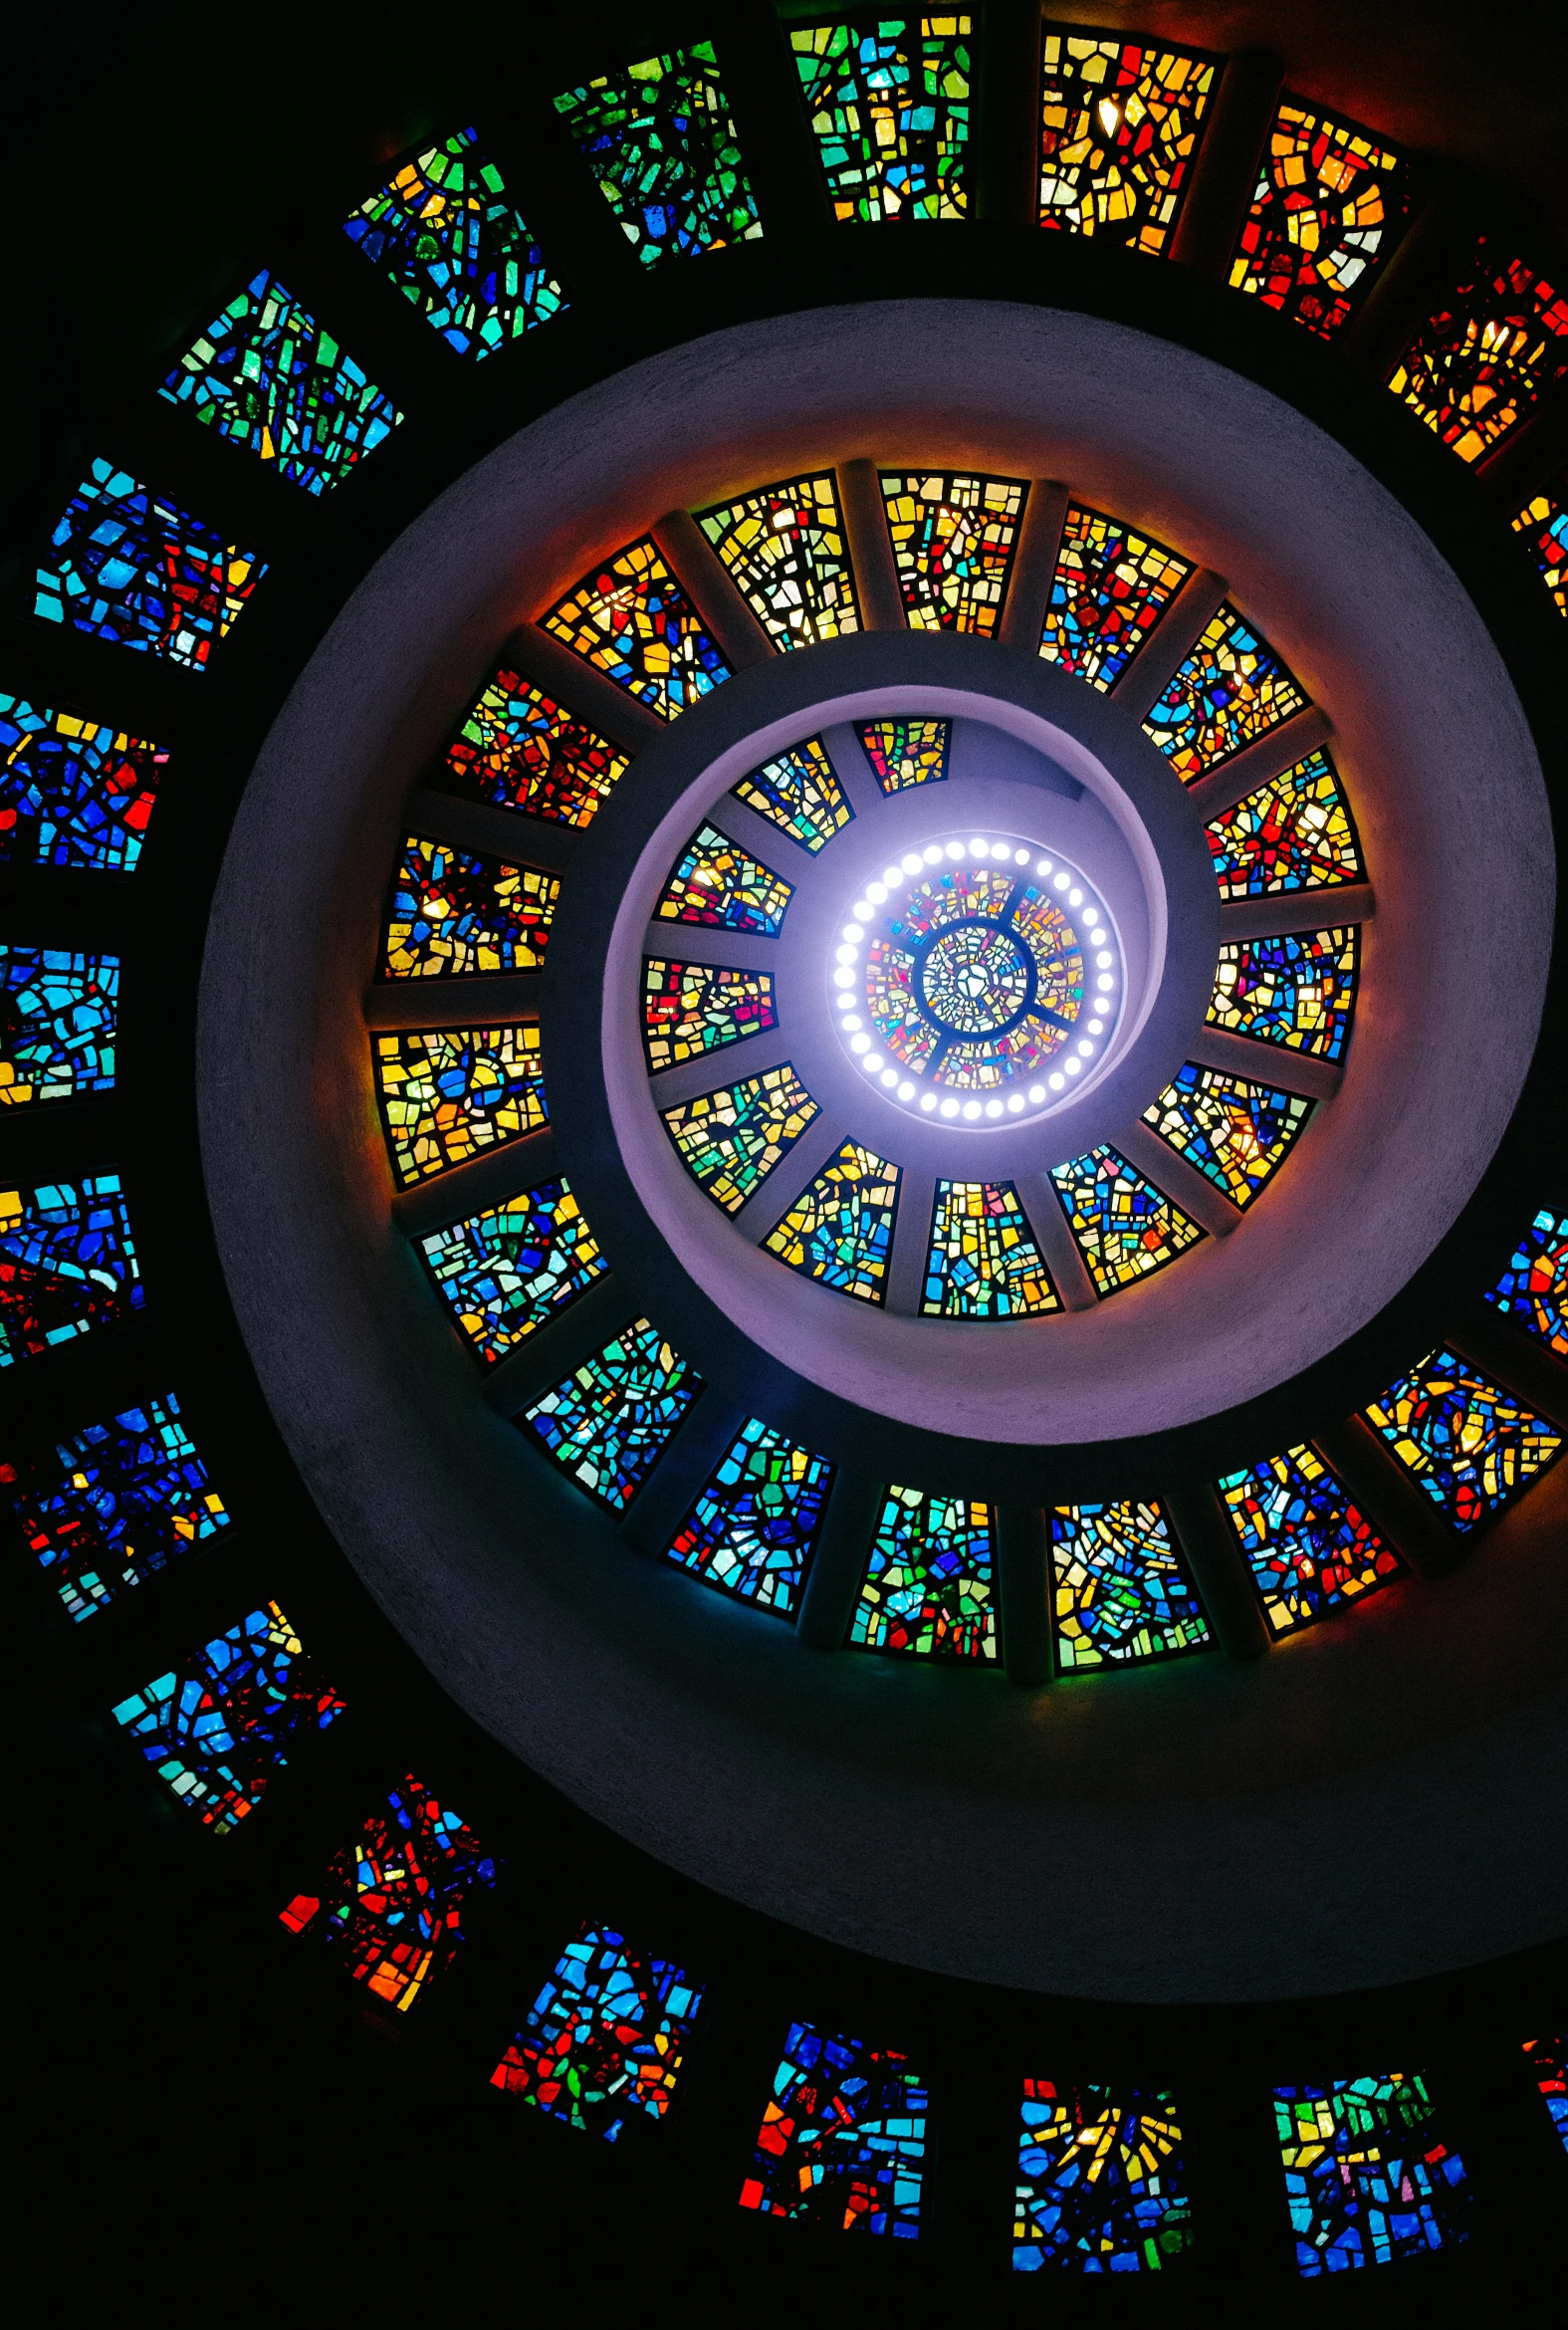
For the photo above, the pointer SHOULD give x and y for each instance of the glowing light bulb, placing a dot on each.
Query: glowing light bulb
(876, 893)
(971, 1111)
(928, 1102)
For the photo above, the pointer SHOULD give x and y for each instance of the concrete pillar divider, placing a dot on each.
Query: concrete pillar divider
(1518, 1361)
(1283, 910)
(485, 1002)
(854, 772)
(1026, 1594)
(1220, 789)
(562, 1344)
(1008, 104)
(1531, 456)
(483, 1181)
(580, 687)
(1265, 1063)
(1410, 284)
(1220, 1569)
(1204, 1200)
(485, 826)
(1035, 556)
(1225, 172)
(731, 621)
(754, 1055)
(1063, 1256)
(795, 1172)
(1175, 635)
(906, 1275)
(698, 1445)
(870, 547)
(1401, 1511)
(843, 1548)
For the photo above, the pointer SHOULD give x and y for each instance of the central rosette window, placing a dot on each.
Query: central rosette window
(976, 978)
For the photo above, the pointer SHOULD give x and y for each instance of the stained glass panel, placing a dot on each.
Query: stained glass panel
(928, 1587)
(1310, 1547)
(605, 2038)
(68, 1265)
(843, 2138)
(1235, 1132)
(1292, 833)
(447, 1094)
(1122, 1594)
(800, 793)
(73, 792)
(784, 550)
(1467, 1442)
(456, 914)
(1533, 1290)
(730, 1141)
(631, 620)
(518, 749)
(1119, 126)
(953, 542)
(692, 1008)
(1328, 199)
(1298, 991)
(840, 1232)
(58, 1016)
(984, 1261)
(131, 566)
(1230, 690)
(1545, 523)
(506, 1270)
(903, 753)
(659, 139)
(1110, 587)
(1548, 2061)
(1124, 1226)
(607, 1423)
(889, 100)
(718, 883)
(1368, 2176)
(218, 1725)
(1483, 361)
(1101, 2184)
(753, 1529)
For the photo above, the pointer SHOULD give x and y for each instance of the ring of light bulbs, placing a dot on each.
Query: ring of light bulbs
(1092, 1031)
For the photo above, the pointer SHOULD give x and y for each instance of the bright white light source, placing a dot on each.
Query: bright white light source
(893, 878)
(950, 1109)
(1043, 865)
(1075, 897)
(876, 893)
(912, 863)
(906, 1094)
(1073, 1066)
(955, 850)
(849, 954)
(928, 1102)
(1096, 1027)
(854, 932)
(890, 1077)
(1105, 958)
(933, 854)
(1086, 1049)
(859, 1042)
(1014, 1103)
(980, 850)
(1063, 879)
(843, 979)
(1056, 1082)
(971, 1111)
(872, 1063)
(993, 1107)
(1105, 983)
(1020, 857)
(1037, 1094)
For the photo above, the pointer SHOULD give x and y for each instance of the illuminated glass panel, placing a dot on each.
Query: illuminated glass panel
(1328, 198)
(1298, 991)
(1294, 834)
(660, 141)
(1548, 2061)
(906, 752)
(443, 233)
(1468, 1443)
(456, 914)
(1545, 523)
(57, 1015)
(1368, 2176)
(1483, 361)
(518, 749)
(131, 566)
(718, 883)
(73, 792)
(800, 793)
(506, 1270)
(1124, 1226)
(953, 542)
(753, 1529)
(730, 1141)
(631, 620)
(219, 1724)
(605, 2038)
(692, 1008)
(840, 1231)
(607, 1423)
(392, 1902)
(1119, 126)
(1109, 589)
(983, 1261)
(843, 2138)
(1533, 1290)
(267, 376)
(785, 551)
(67, 1264)
(889, 100)
(1230, 690)
(1102, 2187)
(928, 1587)
(448, 1093)
(114, 1503)
(1235, 1132)
(1122, 1594)
(1310, 1549)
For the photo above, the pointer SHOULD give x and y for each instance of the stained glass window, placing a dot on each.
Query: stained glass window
(1118, 130)
(73, 792)
(607, 1423)
(1109, 589)
(448, 1093)
(506, 1270)
(1101, 2183)
(518, 749)
(1298, 990)
(455, 914)
(1292, 833)
(267, 376)
(1124, 1226)
(718, 883)
(443, 233)
(753, 1529)
(692, 1008)
(984, 1261)
(57, 1015)
(928, 1587)
(1467, 1442)
(660, 141)
(1230, 690)
(1233, 1130)
(1548, 2061)
(840, 1231)
(907, 752)
(218, 1725)
(631, 620)
(133, 567)
(114, 1503)
(784, 549)
(1533, 1290)
(1122, 1593)
(953, 542)
(1328, 195)
(68, 1263)
(1310, 1549)
(730, 1141)
(605, 2038)
(843, 2138)
(1545, 522)
(889, 102)
(1480, 363)
(392, 1902)
(800, 793)
(1368, 2176)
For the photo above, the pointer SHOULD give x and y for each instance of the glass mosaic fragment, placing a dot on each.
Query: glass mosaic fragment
(1101, 2181)
(954, 536)
(1481, 363)
(889, 106)
(984, 1261)
(1110, 587)
(929, 1587)
(800, 793)
(504, 1272)
(58, 1018)
(721, 884)
(1369, 2176)
(607, 1423)
(605, 2041)
(68, 1263)
(1468, 1443)
(1294, 834)
(1544, 524)
(1122, 1593)
(840, 1231)
(1533, 1290)
(843, 2138)
(446, 1094)
(689, 1009)
(1310, 1547)
(1124, 1226)
(1297, 990)
(903, 753)
(785, 551)
(730, 1141)
(660, 140)
(73, 792)
(456, 914)
(753, 1531)
(631, 620)
(1119, 126)
(130, 566)
(518, 749)
(1236, 1132)
(1330, 201)
(1232, 689)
